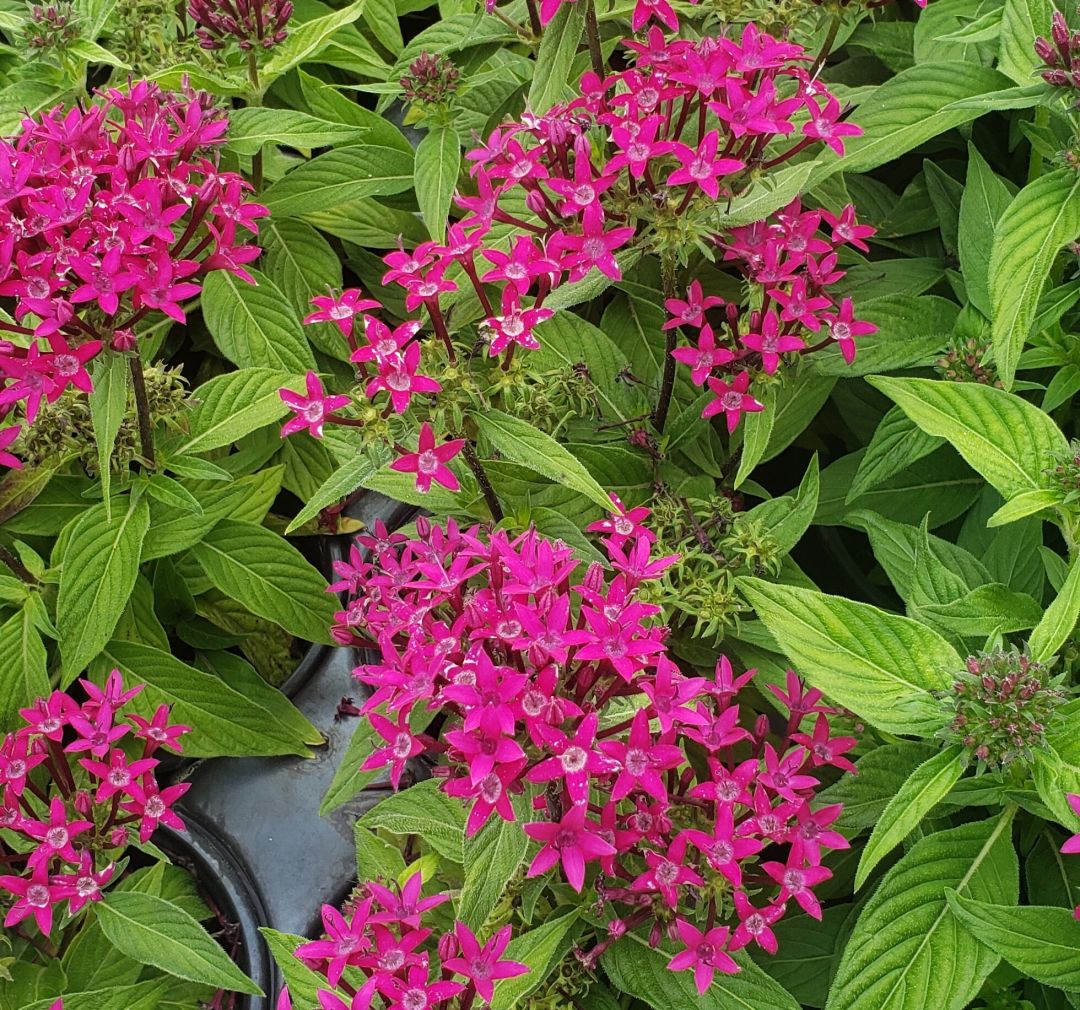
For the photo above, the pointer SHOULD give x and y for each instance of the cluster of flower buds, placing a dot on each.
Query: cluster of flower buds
(1003, 704)
(791, 263)
(966, 360)
(1063, 472)
(431, 80)
(557, 680)
(51, 27)
(1061, 54)
(381, 934)
(109, 213)
(250, 24)
(1072, 845)
(69, 794)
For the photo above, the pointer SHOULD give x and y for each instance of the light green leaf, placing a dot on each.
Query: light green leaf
(756, 430)
(985, 200)
(897, 442)
(423, 809)
(1025, 504)
(982, 611)
(23, 660)
(145, 995)
(907, 950)
(1041, 942)
(108, 404)
(304, 984)
(785, 519)
(376, 857)
(1003, 437)
(306, 40)
(381, 16)
(1044, 215)
(338, 177)
(555, 57)
(342, 482)
(882, 666)
(100, 564)
(519, 442)
(254, 325)
(261, 570)
(438, 161)
(491, 858)
(252, 128)
(541, 949)
(1021, 23)
(232, 405)
(155, 932)
(636, 968)
(923, 789)
(1058, 622)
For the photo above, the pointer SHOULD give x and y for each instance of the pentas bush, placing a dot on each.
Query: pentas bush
(110, 212)
(74, 798)
(669, 809)
(640, 164)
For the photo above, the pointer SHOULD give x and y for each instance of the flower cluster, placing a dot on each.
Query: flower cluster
(381, 934)
(70, 795)
(1063, 473)
(789, 264)
(1072, 845)
(1004, 702)
(556, 681)
(432, 79)
(109, 213)
(249, 23)
(51, 27)
(1060, 54)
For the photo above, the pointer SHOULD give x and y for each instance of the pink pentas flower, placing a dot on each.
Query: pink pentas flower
(153, 806)
(7, 436)
(623, 524)
(340, 309)
(399, 376)
(85, 885)
(691, 311)
(401, 746)
(705, 357)
(844, 328)
(417, 990)
(35, 896)
(56, 837)
(574, 841)
(119, 775)
(311, 411)
(483, 965)
(796, 881)
(755, 924)
(770, 342)
(732, 399)
(384, 344)
(429, 461)
(704, 952)
(346, 940)
(406, 905)
(702, 167)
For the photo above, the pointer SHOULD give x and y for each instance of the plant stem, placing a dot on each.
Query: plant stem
(592, 32)
(483, 480)
(17, 566)
(254, 101)
(1035, 162)
(826, 46)
(534, 19)
(142, 409)
(667, 387)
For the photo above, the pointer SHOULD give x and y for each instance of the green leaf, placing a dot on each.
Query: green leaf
(226, 720)
(985, 200)
(909, 109)
(907, 950)
(155, 932)
(1004, 438)
(1042, 217)
(897, 442)
(491, 858)
(882, 666)
(881, 773)
(306, 40)
(252, 128)
(108, 404)
(924, 788)
(785, 519)
(381, 16)
(172, 493)
(423, 809)
(23, 660)
(541, 949)
(756, 431)
(338, 177)
(261, 570)
(146, 995)
(1025, 504)
(555, 57)
(1039, 941)
(1021, 23)
(982, 612)
(636, 968)
(304, 984)
(235, 404)
(100, 565)
(342, 482)
(376, 857)
(519, 442)
(254, 325)
(1058, 622)
(438, 161)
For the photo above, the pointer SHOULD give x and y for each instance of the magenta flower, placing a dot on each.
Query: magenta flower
(594, 247)
(84, 886)
(482, 965)
(573, 841)
(825, 124)
(724, 848)
(701, 166)
(118, 776)
(584, 189)
(341, 309)
(732, 399)
(158, 731)
(783, 774)
(406, 906)
(667, 872)
(623, 523)
(641, 760)
(36, 896)
(346, 940)
(516, 324)
(7, 436)
(704, 953)
(399, 377)
(703, 358)
(56, 836)
(644, 10)
(429, 461)
(846, 230)
(417, 991)
(844, 328)
(769, 341)
(825, 749)
(152, 806)
(312, 411)
(524, 264)
(796, 882)
(755, 924)
(575, 759)
(401, 746)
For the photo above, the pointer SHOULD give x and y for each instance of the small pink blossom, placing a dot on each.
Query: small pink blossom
(312, 411)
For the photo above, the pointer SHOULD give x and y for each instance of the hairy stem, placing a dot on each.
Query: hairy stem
(483, 480)
(592, 31)
(17, 566)
(255, 100)
(667, 387)
(142, 409)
